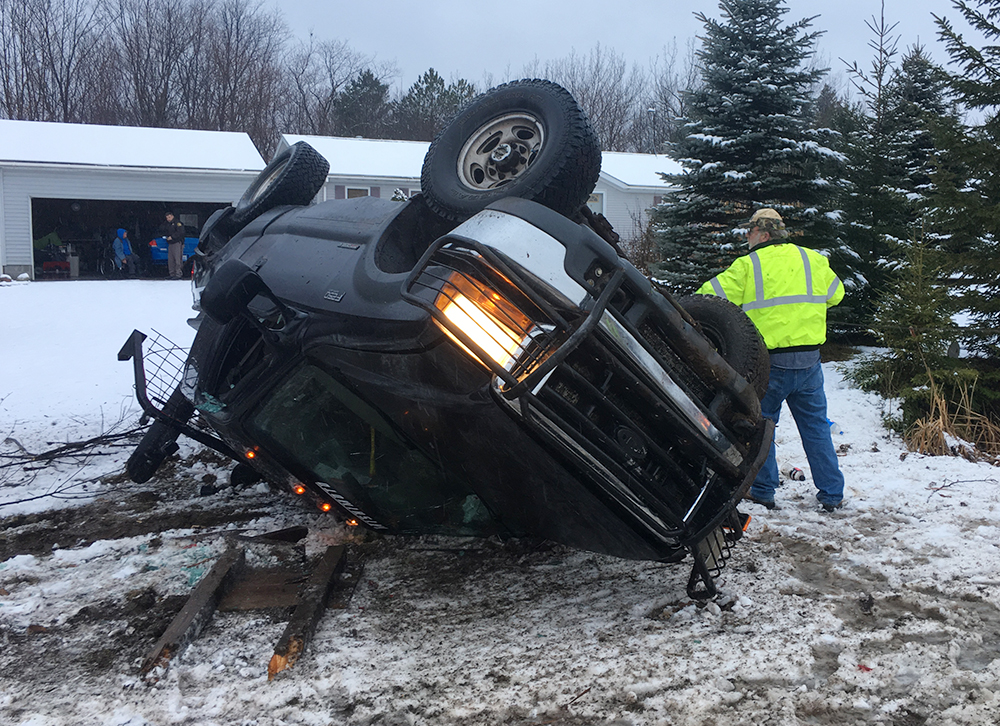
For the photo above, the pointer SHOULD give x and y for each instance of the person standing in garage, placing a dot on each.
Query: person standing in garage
(173, 231)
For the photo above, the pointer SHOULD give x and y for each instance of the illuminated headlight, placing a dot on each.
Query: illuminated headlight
(492, 323)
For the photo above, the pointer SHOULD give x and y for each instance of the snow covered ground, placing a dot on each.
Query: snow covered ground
(885, 612)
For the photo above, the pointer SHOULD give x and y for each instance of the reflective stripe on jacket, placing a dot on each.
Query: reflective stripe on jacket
(784, 289)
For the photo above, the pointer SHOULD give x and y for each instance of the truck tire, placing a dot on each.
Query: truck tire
(159, 441)
(526, 139)
(294, 176)
(734, 335)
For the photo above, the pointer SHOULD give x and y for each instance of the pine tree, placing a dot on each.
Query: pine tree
(914, 316)
(911, 309)
(913, 321)
(890, 148)
(363, 107)
(428, 105)
(748, 144)
(922, 100)
(967, 198)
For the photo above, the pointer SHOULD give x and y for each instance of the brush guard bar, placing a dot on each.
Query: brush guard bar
(164, 385)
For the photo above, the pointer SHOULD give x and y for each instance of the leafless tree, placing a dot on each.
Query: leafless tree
(69, 35)
(243, 71)
(608, 90)
(672, 77)
(153, 39)
(48, 48)
(193, 70)
(22, 83)
(317, 73)
(638, 242)
(105, 101)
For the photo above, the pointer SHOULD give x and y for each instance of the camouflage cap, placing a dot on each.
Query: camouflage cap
(769, 221)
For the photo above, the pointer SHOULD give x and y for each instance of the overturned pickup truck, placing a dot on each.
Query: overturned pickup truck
(476, 360)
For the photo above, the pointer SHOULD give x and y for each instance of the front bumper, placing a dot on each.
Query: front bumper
(597, 367)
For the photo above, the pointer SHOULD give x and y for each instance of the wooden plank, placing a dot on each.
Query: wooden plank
(312, 601)
(195, 614)
(264, 588)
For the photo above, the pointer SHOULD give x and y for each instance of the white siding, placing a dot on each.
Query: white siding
(21, 183)
(621, 206)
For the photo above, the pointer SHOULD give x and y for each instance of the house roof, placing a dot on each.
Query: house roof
(359, 157)
(638, 170)
(60, 143)
(366, 157)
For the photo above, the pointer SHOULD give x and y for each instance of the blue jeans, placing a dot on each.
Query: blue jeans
(802, 389)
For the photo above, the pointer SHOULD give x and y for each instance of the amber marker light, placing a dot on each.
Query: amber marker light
(299, 489)
(352, 523)
(251, 454)
(326, 506)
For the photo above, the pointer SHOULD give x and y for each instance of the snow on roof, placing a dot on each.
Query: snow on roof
(638, 170)
(359, 157)
(366, 157)
(59, 143)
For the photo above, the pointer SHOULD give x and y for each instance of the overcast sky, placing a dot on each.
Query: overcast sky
(467, 38)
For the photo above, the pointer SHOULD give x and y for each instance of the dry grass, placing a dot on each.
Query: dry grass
(954, 429)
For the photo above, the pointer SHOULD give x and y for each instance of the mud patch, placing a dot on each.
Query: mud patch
(169, 501)
(100, 638)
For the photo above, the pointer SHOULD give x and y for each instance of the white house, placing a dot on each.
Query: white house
(628, 186)
(65, 188)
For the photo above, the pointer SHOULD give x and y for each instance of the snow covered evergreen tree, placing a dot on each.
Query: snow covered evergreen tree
(747, 144)
(890, 149)
(873, 200)
(913, 321)
(967, 198)
(922, 102)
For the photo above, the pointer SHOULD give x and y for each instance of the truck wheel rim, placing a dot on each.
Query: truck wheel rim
(500, 151)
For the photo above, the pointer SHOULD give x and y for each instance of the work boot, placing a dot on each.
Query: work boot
(766, 503)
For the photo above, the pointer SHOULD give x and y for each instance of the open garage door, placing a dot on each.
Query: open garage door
(73, 237)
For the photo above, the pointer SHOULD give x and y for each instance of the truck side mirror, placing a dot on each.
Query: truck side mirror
(231, 289)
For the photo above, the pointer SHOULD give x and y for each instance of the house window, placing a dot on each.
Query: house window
(657, 200)
(355, 192)
(596, 202)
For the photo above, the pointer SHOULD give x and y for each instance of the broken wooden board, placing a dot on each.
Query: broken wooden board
(312, 601)
(195, 614)
(275, 570)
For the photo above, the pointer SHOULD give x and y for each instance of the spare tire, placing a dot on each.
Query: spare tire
(734, 335)
(525, 139)
(294, 176)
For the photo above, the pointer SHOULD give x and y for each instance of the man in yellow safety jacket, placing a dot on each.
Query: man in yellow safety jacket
(786, 290)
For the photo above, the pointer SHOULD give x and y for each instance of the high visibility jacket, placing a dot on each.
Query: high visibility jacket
(784, 289)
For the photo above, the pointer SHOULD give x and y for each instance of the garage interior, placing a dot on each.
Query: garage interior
(73, 237)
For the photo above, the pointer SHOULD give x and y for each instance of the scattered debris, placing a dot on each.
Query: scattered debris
(233, 584)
